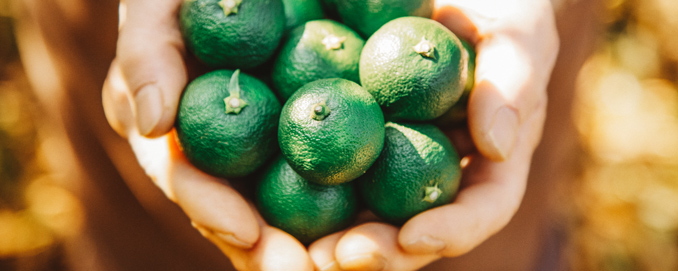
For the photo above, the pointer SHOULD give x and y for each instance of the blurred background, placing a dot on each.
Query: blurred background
(623, 210)
(620, 212)
(35, 212)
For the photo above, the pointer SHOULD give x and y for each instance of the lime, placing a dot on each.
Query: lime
(458, 112)
(331, 131)
(366, 16)
(414, 67)
(417, 170)
(227, 123)
(232, 33)
(298, 12)
(301, 208)
(317, 50)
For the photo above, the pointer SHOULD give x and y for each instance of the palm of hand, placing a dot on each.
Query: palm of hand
(516, 44)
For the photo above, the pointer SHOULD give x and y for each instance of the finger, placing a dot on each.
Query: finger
(151, 57)
(455, 19)
(208, 201)
(508, 87)
(507, 91)
(374, 246)
(116, 102)
(322, 252)
(276, 250)
(490, 197)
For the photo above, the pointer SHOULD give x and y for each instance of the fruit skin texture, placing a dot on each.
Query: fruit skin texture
(301, 208)
(221, 144)
(415, 156)
(298, 12)
(458, 112)
(340, 147)
(304, 58)
(367, 16)
(407, 84)
(240, 40)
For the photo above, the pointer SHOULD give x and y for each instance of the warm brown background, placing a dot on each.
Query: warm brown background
(603, 194)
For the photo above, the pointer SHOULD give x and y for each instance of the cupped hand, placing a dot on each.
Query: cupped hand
(517, 44)
(140, 97)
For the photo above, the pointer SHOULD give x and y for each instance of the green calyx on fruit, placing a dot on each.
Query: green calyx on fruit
(418, 169)
(342, 146)
(233, 102)
(227, 145)
(230, 6)
(317, 49)
(425, 48)
(245, 38)
(432, 193)
(333, 42)
(412, 78)
(320, 111)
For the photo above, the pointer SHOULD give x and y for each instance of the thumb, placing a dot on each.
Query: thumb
(509, 89)
(494, 116)
(517, 45)
(151, 57)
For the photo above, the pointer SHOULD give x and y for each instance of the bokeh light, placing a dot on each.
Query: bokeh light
(622, 211)
(625, 213)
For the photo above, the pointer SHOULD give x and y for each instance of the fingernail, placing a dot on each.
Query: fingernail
(232, 240)
(504, 131)
(148, 104)
(367, 262)
(332, 266)
(426, 245)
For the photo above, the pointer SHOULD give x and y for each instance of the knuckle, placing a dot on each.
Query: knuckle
(116, 105)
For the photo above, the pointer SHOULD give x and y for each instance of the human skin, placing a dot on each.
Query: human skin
(516, 42)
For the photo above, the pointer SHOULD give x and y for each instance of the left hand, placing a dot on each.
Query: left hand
(517, 44)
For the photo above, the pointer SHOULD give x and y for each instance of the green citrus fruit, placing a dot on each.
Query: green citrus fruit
(331, 131)
(227, 123)
(316, 50)
(417, 170)
(414, 67)
(301, 208)
(298, 12)
(458, 112)
(366, 16)
(232, 33)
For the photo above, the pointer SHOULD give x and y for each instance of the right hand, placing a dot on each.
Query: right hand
(141, 96)
(517, 44)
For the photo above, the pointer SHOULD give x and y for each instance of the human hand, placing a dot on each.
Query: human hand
(517, 45)
(140, 97)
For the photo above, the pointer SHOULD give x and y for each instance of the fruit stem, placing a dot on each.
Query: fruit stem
(320, 111)
(230, 6)
(432, 194)
(333, 42)
(233, 102)
(425, 48)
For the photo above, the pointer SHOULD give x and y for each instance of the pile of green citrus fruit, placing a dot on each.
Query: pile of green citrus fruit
(328, 117)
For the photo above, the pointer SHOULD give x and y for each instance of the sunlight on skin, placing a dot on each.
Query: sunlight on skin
(509, 97)
(502, 88)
